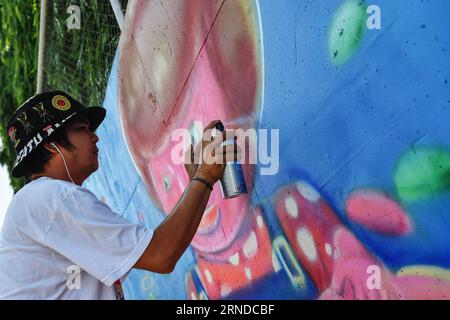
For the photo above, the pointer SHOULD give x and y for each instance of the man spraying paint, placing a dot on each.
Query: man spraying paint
(53, 223)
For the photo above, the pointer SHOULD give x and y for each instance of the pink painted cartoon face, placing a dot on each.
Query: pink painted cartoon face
(222, 218)
(206, 66)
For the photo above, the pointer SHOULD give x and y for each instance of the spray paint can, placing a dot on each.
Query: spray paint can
(232, 182)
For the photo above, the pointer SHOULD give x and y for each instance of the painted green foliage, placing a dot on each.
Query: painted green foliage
(347, 30)
(422, 172)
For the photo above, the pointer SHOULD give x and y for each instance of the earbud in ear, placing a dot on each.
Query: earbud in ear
(55, 147)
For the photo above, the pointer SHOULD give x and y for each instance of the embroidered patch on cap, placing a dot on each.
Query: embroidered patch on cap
(12, 136)
(42, 112)
(23, 119)
(61, 103)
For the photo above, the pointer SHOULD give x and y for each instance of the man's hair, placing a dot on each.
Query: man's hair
(36, 162)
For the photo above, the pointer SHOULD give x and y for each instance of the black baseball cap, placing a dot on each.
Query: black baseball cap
(40, 117)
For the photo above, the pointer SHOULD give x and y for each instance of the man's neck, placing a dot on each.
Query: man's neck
(58, 176)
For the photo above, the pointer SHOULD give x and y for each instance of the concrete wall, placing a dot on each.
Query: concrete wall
(359, 205)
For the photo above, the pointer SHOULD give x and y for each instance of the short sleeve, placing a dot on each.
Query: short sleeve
(91, 235)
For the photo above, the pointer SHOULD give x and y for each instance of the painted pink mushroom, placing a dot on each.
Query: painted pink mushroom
(338, 263)
(308, 222)
(376, 211)
(352, 270)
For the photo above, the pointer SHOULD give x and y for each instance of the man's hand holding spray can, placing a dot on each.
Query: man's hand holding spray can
(232, 180)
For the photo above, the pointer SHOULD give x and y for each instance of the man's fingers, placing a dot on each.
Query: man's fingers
(228, 148)
(188, 155)
(226, 136)
(222, 148)
(228, 153)
(207, 132)
(211, 125)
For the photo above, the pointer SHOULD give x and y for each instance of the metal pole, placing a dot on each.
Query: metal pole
(42, 25)
(115, 4)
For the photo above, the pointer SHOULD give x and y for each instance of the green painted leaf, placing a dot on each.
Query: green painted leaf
(347, 30)
(421, 173)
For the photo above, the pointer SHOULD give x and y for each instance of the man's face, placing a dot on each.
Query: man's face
(83, 158)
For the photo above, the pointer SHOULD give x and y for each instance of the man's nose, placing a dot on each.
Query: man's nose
(94, 137)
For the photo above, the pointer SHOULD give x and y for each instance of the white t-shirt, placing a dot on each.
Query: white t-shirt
(59, 241)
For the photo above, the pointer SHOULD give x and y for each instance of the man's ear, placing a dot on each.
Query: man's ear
(49, 147)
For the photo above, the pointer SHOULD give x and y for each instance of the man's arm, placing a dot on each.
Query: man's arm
(175, 233)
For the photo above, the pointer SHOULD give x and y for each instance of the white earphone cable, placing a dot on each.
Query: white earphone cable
(64, 160)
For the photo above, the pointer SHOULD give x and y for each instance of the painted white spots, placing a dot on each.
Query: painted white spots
(306, 242)
(225, 290)
(307, 191)
(291, 206)
(250, 246)
(193, 296)
(328, 249)
(248, 273)
(208, 276)
(259, 221)
(234, 259)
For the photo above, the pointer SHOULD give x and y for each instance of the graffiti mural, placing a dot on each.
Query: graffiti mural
(359, 207)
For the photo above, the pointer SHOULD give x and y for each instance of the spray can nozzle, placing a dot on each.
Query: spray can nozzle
(219, 126)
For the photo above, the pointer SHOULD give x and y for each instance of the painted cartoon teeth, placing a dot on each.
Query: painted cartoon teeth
(247, 260)
(208, 276)
(250, 246)
(210, 219)
(248, 273)
(234, 259)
